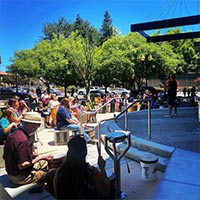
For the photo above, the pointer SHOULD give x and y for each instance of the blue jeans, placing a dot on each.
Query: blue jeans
(76, 127)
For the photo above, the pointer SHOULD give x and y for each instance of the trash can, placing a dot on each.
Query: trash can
(149, 167)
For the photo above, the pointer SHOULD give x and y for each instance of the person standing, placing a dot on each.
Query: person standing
(171, 85)
(184, 91)
(33, 98)
(45, 98)
(53, 107)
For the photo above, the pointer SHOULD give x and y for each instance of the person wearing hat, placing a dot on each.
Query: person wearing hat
(22, 165)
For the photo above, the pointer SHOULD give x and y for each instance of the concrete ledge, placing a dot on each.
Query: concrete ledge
(153, 147)
(140, 147)
(136, 154)
(181, 178)
(19, 192)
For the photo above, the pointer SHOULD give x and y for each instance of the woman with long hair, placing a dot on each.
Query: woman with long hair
(77, 179)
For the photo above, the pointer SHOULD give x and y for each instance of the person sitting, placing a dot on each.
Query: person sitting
(77, 179)
(74, 110)
(5, 125)
(44, 113)
(23, 166)
(85, 108)
(13, 104)
(23, 107)
(65, 120)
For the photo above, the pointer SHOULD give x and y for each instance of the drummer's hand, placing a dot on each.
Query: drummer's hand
(46, 157)
(14, 124)
(35, 154)
(101, 162)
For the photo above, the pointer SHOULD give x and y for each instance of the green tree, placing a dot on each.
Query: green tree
(62, 27)
(81, 56)
(86, 30)
(114, 66)
(107, 30)
(25, 63)
(186, 50)
(54, 62)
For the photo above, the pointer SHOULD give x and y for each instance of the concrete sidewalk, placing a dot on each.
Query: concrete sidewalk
(131, 183)
(181, 131)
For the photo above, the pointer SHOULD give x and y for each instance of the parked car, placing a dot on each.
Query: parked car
(81, 94)
(55, 91)
(9, 92)
(103, 89)
(94, 93)
(121, 91)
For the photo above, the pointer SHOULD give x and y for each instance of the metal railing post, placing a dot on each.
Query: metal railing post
(125, 112)
(149, 119)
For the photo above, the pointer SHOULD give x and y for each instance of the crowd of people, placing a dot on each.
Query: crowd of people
(75, 178)
(54, 116)
(64, 114)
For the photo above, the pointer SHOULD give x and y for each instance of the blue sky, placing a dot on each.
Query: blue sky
(21, 21)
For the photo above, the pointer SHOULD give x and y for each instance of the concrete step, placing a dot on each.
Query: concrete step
(153, 147)
(136, 154)
(141, 147)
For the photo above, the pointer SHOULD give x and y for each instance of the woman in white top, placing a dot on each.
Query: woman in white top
(53, 106)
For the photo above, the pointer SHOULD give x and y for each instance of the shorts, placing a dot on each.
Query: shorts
(171, 100)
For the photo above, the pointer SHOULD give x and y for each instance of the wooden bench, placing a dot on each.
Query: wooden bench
(61, 137)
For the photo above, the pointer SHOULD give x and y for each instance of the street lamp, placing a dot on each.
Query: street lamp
(145, 58)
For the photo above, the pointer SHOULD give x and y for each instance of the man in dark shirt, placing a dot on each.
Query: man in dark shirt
(22, 164)
(171, 92)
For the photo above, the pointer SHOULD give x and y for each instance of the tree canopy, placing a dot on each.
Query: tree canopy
(78, 54)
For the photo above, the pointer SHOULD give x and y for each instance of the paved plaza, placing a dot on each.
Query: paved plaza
(181, 131)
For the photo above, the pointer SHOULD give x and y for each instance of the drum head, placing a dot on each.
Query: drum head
(58, 156)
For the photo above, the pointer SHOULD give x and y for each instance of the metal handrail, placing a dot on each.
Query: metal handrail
(126, 119)
(97, 110)
(116, 117)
